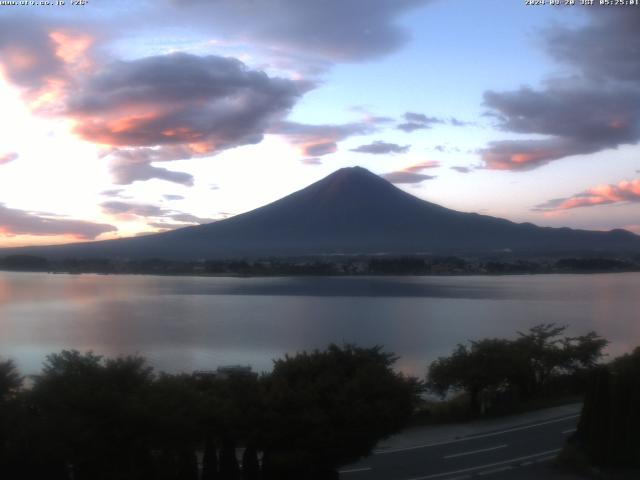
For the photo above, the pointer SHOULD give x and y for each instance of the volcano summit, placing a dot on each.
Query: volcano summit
(351, 211)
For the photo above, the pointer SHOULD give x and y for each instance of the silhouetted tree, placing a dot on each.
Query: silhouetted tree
(610, 420)
(523, 367)
(95, 410)
(486, 364)
(329, 408)
(10, 380)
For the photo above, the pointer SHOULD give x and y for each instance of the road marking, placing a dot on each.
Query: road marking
(489, 465)
(355, 470)
(474, 451)
(571, 430)
(474, 437)
(496, 470)
(544, 459)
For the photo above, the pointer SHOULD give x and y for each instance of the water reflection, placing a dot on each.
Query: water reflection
(183, 323)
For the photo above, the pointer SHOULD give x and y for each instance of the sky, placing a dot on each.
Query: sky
(120, 118)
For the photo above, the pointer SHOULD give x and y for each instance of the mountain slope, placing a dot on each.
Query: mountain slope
(350, 211)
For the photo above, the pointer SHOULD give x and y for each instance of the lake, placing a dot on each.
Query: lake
(188, 323)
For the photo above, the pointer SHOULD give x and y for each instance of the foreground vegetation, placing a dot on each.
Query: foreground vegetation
(497, 375)
(607, 434)
(89, 417)
(321, 266)
(86, 417)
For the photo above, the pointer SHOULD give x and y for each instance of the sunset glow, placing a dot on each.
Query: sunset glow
(212, 110)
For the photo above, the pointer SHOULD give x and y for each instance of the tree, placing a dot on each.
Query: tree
(95, 409)
(328, 408)
(610, 419)
(487, 364)
(10, 380)
(549, 354)
(523, 367)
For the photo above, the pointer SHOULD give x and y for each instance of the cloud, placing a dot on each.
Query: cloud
(381, 148)
(459, 123)
(190, 106)
(462, 169)
(330, 30)
(127, 210)
(132, 165)
(127, 173)
(615, 59)
(173, 197)
(8, 157)
(21, 222)
(319, 140)
(417, 121)
(597, 108)
(524, 155)
(142, 210)
(624, 191)
(311, 161)
(412, 174)
(578, 121)
(115, 192)
(43, 60)
(205, 104)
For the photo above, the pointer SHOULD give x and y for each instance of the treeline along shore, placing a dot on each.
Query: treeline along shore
(327, 266)
(88, 417)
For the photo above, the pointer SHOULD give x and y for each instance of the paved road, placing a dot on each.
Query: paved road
(487, 454)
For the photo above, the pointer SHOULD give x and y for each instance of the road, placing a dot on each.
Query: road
(487, 453)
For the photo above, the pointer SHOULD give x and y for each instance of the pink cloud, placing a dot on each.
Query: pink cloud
(8, 157)
(623, 191)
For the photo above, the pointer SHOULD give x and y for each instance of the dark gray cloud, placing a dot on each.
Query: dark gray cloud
(378, 120)
(381, 148)
(417, 121)
(115, 192)
(8, 157)
(462, 169)
(334, 30)
(402, 177)
(189, 218)
(207, 104)
(21, 222)
(139, 209)
(319, 140)
(615, 59)
(132, 165)
(597, 108)
(412, 174)
(459, 123)
(579, 121)
(152, 211)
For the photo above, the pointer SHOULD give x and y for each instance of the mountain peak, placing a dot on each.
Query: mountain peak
(351, 211)
(352, 178)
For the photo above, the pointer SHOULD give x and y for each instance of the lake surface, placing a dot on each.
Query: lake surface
(187, 323)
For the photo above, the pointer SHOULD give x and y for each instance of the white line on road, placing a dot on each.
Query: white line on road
(571, 430)
(355, 470)
(489, 465)
(496, 470)
(462, 454)
(474, 437)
